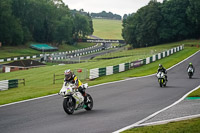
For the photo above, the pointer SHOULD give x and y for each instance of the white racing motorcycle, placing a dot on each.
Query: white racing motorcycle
(73, 99)
(161, 79)
(190, 72)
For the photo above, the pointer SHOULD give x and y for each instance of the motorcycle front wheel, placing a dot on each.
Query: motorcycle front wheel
(89, 102)
(69, 105)
(160, 82)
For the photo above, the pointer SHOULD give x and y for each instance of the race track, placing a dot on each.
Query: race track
(116, 105)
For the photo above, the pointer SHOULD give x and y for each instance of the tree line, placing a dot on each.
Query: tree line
(49, 21)
(106, 15)
(156, 23)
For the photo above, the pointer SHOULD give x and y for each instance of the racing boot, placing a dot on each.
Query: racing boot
(85, 97)
(82, 91)
(85, 100)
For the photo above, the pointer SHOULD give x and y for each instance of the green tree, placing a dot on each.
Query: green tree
(82, 26)
(11, 32)
(175, 25)
(172, 20)
(39, 17)
(141, 29)
(41, 21)
(129, 27)
(193, 13)
(64, 30)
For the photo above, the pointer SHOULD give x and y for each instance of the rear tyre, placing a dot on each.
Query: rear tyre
(89, 102)
(69, 105)
(190, 75)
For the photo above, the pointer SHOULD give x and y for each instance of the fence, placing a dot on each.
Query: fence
(98, 72)
(13, 83)
(81, 73)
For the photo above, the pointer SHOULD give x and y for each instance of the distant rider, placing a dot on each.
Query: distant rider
(162, 69)
(70, 77)
(190, 65)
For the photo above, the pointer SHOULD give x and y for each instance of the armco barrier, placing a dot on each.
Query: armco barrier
(7, 84)
(127, 66)
(102, 72)
(42, 55)
(4, 85)
(13, 83)
(109, 70)
(148, 60)
(94, 73)
(121, 67)
(144, 61)
(135, 64)
(116, 69)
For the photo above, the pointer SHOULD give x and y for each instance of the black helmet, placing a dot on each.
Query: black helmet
(160, 66)
(68, 74)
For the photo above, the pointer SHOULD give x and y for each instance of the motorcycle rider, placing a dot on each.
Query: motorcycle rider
(190, 65)
(72, 78)
(162, 69)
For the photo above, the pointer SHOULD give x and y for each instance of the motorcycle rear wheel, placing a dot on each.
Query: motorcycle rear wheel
(190, 74)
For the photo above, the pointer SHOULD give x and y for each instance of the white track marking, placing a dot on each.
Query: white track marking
(154, 114)
(27, 100)
(170, 120)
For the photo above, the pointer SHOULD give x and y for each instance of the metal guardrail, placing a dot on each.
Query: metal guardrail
(13, 83)
(42, 55)
(98, 72)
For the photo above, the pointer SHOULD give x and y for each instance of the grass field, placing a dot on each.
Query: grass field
(39, 81)
(24, 50)
(195, 93)
(139, 53)
(107, 29)
(187, 126)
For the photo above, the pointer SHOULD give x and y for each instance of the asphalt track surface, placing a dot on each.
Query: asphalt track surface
(116, 105)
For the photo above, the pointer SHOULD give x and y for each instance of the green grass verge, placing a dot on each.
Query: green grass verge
(186, 126)
(24, 50)
(11, 51)
(65, 47)
(150, 68)
(107, 29)
(39, 81)
(195, 93)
